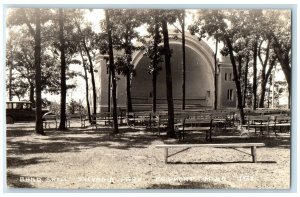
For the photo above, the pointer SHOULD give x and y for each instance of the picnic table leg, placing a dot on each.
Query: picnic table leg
(166, 155)
(253, 153)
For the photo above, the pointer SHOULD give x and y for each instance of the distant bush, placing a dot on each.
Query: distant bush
(74, 107)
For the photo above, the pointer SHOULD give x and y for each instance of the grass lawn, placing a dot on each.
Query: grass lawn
(88, 159)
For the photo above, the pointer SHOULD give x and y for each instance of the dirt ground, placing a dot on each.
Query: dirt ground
(89, 159)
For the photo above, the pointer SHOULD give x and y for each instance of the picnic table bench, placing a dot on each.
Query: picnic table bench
(253, 146)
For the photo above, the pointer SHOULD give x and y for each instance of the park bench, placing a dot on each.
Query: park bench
(199, 123)
(71, 117)
(106, 117)
(222, 120)
(159, 121)
(253, 146)
(48, 119)
(101, 117)
(282, 122)
(138, 118)
(260, 122)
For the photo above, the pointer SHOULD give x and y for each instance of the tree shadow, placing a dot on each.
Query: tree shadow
(78, 139)
(189, 185)
(13, 181)
(75, 140)
(15, 162)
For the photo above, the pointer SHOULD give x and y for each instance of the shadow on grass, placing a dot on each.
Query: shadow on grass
(15, 162)
(189, 185)
(21, 141)
(75, 140)
(13, 181)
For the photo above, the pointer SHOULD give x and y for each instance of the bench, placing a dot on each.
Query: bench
(282, 122)
(106, 117)
(160, 121)
(203, 123)
(48, 119)
(258, 122)
(76, 116)
(134, 118)
(229, 145)
(103, 117)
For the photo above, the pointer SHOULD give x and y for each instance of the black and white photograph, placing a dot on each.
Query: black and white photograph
(148, 98)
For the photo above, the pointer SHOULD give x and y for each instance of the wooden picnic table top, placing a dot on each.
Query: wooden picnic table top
(209, 145)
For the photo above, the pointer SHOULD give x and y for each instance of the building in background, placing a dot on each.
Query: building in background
(199, 79)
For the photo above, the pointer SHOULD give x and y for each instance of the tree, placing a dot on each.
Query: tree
(124, 33)
(37, 64)
(88, 42)
(84, 64)
(265, 72)
(20, 63)
(280, 31)
(31, 18)
(228, 27)
(112, 70)
(168, 16)
(254, 90)
(152, 49)
(62, 125)
(181, 20)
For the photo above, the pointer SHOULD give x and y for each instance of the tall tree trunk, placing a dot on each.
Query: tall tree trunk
(254, 90)
(92, 76)
(109, 90)
(91, 69)
(86, 86)
(112, 69)
(129, 103)
(63, 87)
(31, 93)
(10, 96)
(237, 82)
(167, 52)
(240, 61)
(264, 75)
(38, 81)
(246, 81)
(154, 79)
(155, 64)
(128, 72)
(265, 78)
(262, 95)
(183, 60)
(216, 76)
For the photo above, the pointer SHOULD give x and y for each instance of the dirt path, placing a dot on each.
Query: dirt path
(85, 158)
